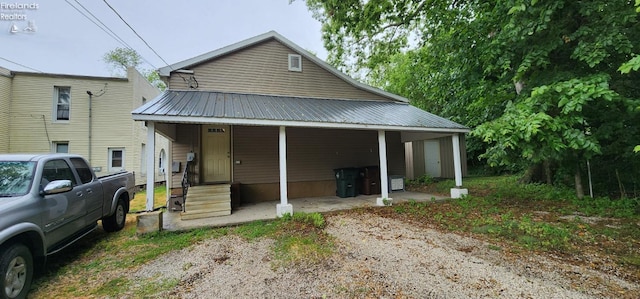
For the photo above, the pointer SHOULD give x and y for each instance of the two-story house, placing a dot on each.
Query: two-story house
(86, 115)
(268, 115)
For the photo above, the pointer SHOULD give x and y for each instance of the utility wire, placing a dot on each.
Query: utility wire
(134, 31)
(105, 28)
(111, 34)
(114, 35)
(22, 65)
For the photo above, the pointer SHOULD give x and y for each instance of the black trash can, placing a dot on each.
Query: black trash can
(347, 181)
(370, 180)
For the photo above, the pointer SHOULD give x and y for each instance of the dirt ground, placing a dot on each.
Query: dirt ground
(379, 257)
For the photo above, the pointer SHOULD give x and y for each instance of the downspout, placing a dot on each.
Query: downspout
(90, 96)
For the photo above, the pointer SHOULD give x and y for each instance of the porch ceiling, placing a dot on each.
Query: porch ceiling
(211, 107)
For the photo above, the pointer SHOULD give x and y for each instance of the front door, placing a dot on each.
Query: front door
(216, 154)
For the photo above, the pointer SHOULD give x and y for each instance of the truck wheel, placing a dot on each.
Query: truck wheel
(16, 270)
(115, 221)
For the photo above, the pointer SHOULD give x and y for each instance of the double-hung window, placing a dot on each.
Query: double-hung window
(116, 159)
(62, 103)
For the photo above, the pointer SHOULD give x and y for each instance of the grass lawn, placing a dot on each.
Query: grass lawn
(139, 202)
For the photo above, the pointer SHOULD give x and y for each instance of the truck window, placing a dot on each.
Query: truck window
(57, 170)
(85, 174)
(15, 177)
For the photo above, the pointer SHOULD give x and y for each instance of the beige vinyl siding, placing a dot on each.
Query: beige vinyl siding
(263, 69)
(187, 140)
(5, 104)
(312, 154)
(141, 88)
(33, 128)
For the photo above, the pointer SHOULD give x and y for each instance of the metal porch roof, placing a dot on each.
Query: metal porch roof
(192, 106)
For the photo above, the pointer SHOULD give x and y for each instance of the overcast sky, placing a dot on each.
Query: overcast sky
(66, 42)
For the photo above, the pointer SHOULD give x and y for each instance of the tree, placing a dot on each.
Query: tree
(120, 59)
(536, 79)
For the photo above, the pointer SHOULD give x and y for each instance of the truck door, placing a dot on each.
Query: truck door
(64, 211)
(92, 189)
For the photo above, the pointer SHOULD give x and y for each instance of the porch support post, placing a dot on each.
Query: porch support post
(458, 191)
(168, 172)
(283, 207)
(151, 166)
(384, 177)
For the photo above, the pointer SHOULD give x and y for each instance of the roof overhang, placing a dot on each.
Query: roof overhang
(209, 107)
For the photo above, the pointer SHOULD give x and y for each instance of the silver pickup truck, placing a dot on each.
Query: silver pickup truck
(47, 202)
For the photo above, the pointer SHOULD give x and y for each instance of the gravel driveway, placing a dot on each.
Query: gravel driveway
(376, 257)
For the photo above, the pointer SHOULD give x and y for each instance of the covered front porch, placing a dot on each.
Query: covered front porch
(283, 147)
(248, 212)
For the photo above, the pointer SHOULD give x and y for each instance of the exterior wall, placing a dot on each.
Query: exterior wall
(447, 169)
(263, 69)
(142, 89)
(5, 106)
(187, 140)
(312, 156)
(33, 129)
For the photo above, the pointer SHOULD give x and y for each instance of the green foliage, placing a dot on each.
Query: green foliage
(633, 64)
(257, 229)
(300, 240)
(120, 59)
(606, 207)
(316, 219)
(525, 214)
(539, 80)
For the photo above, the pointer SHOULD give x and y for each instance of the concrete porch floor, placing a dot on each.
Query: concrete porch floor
(248, 212)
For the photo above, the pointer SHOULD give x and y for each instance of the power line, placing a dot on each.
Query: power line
(111, 34)
(22, 65)
(134, 31)
(105, 28)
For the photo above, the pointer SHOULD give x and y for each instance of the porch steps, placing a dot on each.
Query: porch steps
(207, 201)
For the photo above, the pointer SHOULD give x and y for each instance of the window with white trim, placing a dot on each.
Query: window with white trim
(295, 63)
(62, 103)
(60, 147)
(116, 159)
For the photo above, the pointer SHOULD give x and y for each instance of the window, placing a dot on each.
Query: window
(61, 147)
(161, 160)
(295, 63)
(57, 170)
(116, 159)
(62, 98)
(85, 174)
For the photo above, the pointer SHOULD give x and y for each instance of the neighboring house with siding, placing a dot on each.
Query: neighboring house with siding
(5, 100)
(274, 118)
(84, 115)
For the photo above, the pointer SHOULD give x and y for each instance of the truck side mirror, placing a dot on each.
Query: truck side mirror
(56, 187)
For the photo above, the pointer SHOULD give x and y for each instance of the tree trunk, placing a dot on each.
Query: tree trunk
(578, 180)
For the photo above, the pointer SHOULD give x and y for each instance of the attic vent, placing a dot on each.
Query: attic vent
(295, 63)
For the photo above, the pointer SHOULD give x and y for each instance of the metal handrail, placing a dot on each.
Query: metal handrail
(185, 185)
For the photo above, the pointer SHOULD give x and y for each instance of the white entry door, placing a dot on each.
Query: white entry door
(432, 158)
(216, 154)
